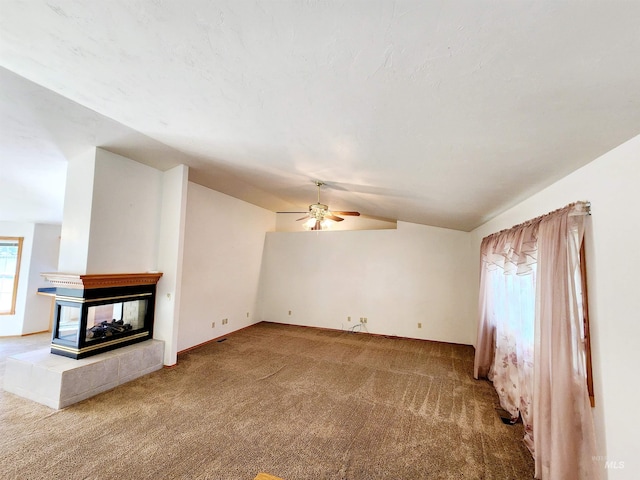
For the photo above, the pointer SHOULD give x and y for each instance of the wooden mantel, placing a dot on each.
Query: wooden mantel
(103, 280)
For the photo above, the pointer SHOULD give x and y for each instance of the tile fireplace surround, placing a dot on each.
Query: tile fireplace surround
(102, 338)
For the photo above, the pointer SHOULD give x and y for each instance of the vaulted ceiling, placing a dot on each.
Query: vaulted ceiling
(436, 112)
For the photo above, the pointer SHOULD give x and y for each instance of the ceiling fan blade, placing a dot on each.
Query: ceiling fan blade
(353, 214)
(334, 218)
(302, 218)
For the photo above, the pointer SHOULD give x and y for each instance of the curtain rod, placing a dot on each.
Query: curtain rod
(587, 211)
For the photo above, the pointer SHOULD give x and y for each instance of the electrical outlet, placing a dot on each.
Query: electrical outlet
(364, 320)
(289, 312)
(419, 325)
(348, 319)
(247, 314)
(213, 324)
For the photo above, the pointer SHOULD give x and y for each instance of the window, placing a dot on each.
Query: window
(10, 252)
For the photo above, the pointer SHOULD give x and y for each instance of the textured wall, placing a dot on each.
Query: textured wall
(223, 245)
(394, 278)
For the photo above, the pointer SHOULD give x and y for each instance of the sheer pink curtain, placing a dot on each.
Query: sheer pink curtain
(564, 436)
(505, 348)
(486, 337)
(530, 339)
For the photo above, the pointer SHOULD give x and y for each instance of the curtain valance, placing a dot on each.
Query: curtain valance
(515, 250)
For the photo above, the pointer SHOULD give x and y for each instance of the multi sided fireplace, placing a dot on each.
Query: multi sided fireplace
(96, 313)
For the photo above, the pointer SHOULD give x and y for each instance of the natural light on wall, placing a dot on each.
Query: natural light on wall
(10, 251)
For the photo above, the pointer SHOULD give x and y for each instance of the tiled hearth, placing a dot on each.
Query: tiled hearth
(58, 381)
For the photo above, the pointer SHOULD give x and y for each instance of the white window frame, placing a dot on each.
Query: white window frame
(18, 241)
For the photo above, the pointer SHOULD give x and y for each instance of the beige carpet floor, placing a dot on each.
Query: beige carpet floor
(299, 403)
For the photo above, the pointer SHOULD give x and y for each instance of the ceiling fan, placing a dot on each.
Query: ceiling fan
(319, 214)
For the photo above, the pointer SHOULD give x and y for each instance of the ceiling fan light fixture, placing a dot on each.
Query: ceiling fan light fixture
(314, 223)
(309, 224)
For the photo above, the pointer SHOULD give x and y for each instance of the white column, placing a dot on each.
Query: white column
(170, 253)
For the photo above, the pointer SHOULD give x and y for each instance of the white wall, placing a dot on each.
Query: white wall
(111, 215)
(39, 253)
(125, 215)
(76, 223)
(610, 183)
(394, 278)
(44, 258)
(223, 244)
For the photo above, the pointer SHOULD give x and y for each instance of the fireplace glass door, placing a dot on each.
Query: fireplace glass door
(69, 323)
(105, 321)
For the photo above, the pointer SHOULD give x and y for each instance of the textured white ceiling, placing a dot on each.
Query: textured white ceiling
(436, 112)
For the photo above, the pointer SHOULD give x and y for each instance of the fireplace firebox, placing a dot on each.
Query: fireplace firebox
(97, 313)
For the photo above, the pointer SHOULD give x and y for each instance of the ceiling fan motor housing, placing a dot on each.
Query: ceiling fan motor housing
(318, 211)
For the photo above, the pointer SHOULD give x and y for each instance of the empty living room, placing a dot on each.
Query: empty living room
(290, 240)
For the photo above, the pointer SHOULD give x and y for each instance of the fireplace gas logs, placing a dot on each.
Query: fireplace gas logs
(108, 329)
